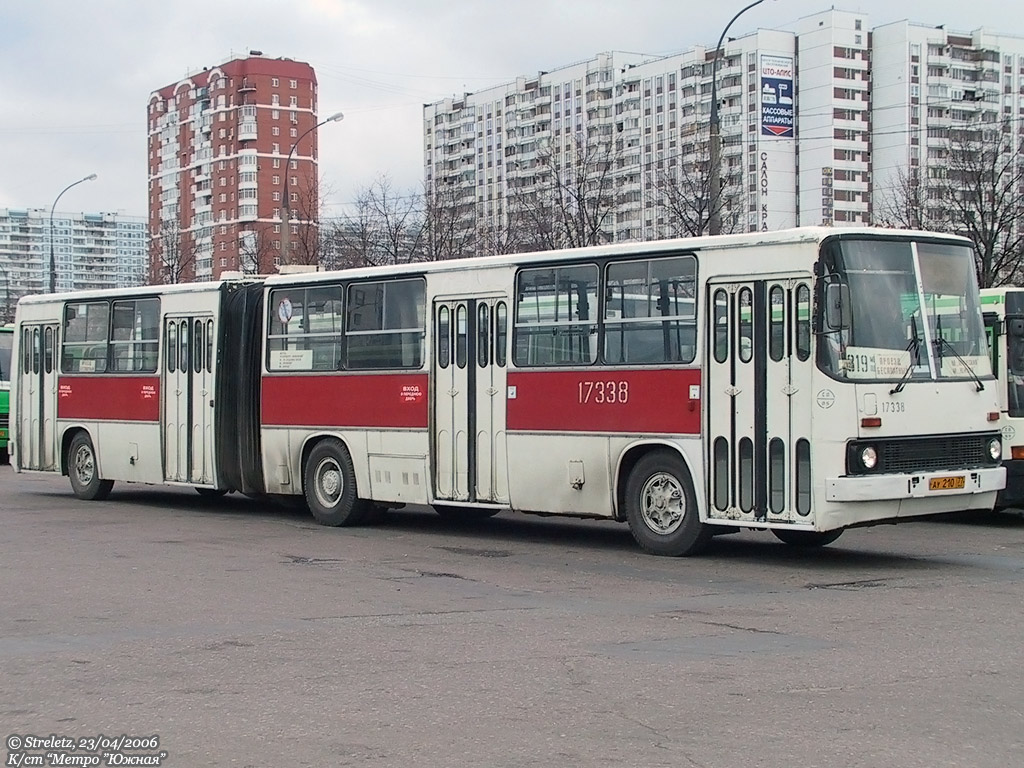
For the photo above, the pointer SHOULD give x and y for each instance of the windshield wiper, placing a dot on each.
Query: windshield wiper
(913, 346)
(939, 343)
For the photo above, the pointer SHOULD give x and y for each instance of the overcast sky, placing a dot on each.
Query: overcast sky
(75, 75)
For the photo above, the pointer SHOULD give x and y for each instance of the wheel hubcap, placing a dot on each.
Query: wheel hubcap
(662, 503)
(85, 468)
(329, 485)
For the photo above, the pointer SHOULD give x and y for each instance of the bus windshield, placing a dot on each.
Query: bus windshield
(6, 340)
(909, 316)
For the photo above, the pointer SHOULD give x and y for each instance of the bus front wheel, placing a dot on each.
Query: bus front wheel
(806, 539)
(83, 472)
(329, 484)
(661, 507)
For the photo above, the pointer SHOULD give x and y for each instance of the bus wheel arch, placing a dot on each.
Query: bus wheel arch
(628, 461)
(82, 467)
(661, 504)
(329, 483)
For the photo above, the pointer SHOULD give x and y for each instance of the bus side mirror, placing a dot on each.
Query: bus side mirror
(837, 306)
(1015, 328)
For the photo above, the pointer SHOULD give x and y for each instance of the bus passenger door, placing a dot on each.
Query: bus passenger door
(759, 366)
(188, 403)
(36, 430)
(469, 364)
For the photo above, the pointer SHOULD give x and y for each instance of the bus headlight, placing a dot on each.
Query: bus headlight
(995, 448)
(868, 457)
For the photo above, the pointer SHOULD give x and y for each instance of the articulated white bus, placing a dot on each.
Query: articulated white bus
(802, 382)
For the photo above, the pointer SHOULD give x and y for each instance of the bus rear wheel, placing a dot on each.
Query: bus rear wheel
(661, 507)
(82, 470)
(806, 539)
(329, 483)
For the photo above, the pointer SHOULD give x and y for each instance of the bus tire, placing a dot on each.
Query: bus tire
(464, 514)
(82, 470)
(806, 539)
(661, 507)
(211, 493)
(329, 483)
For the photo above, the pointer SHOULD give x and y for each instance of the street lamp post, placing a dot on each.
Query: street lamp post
(286, 217)
(715, 180)
(53, 259)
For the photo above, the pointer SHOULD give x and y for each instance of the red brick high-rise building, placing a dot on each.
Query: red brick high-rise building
(219, 143)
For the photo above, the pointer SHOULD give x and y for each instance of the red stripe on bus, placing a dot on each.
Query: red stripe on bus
(346, 400)
(123, 398)
(632, 401)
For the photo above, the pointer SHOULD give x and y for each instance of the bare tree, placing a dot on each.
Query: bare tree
(566, 197)
(7, 302)
(256, 250)
(684, 194)
(978, 192)
(384, 227)
(172, 254)
(904, 205)
(448, 223)
(307, 214)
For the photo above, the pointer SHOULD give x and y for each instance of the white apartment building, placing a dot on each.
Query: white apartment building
(937, 82)
(812, 121)
(90, 250)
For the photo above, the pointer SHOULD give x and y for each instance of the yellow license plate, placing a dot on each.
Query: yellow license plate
(953, 483)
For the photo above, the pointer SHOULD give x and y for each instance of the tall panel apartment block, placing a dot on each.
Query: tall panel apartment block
(219, 141)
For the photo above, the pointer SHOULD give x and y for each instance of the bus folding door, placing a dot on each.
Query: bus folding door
(469, 365)
(189, 405)
(758, 359)
(36, 430)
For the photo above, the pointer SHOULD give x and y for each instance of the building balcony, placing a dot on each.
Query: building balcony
(246, 131)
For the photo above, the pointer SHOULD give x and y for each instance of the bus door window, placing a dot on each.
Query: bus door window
(461, 336)
(444, 337)
(777, 323)
(500, 333)
(483, 336)
(48, 349)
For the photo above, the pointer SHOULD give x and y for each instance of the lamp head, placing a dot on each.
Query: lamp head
(336, 117)
(90, 177)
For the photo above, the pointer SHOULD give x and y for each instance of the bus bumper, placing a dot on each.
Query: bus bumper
(914, 486)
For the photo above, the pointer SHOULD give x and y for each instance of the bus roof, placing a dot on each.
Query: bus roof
(687, 244)
(203, 287)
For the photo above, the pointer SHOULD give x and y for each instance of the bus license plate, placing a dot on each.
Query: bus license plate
(953, 483)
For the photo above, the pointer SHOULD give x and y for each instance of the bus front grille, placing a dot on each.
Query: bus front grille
(924, 454)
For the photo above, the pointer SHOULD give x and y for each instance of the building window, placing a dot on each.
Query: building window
(277, 162)
(294, 132)
(293, 101)
(293, 84)
(275, 114)
(277, 180)
(274, 82)
(276, 148)
(275, 100)
(275, 131)
(277, 197)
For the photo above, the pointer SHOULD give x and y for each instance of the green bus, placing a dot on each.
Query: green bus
(6, 341)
